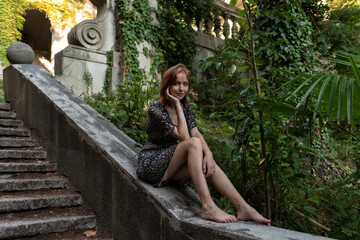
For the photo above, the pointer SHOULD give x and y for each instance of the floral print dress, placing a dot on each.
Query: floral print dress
(156, 154)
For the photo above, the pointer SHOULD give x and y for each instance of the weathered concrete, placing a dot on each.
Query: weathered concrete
(10, 123)
(70, 235)
(4, 106)
(18, 132)
(17, 142)
(101, 160)
(29, 184)
(40, 225)
(35, 200)
(23, 154)
(73, 62)
(36, 166)
(6, 114)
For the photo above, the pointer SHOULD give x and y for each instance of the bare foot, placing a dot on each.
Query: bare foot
(214, 213)
(249, 213)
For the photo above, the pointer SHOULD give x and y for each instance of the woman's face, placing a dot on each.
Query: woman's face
(180, 88)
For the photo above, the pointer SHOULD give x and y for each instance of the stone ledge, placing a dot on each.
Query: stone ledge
(106, 160)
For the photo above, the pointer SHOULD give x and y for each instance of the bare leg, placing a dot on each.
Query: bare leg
(189, 153)
(244, 211)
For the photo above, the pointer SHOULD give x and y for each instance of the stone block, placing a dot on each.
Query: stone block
(73, 62)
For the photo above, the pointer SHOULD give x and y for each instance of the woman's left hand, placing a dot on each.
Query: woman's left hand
(208, 166)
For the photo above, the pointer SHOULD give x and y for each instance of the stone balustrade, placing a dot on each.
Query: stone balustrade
(217, 23)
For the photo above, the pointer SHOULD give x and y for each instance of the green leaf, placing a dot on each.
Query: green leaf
(241, 20)
(233, 68)
(356, 72)
(252, 2)
(299, 88)
(310, 209)
(321, 94)
(261, 79)
(233, 3)
(340, 98)
(350, 91)
(332, 94)
(242, 13)
(307, 94)
(257, 12)
(243, 68)
(245, 80)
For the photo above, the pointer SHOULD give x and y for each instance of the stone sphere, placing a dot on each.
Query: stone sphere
(20, 53)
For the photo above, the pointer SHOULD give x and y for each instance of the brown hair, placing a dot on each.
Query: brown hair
(169, 79)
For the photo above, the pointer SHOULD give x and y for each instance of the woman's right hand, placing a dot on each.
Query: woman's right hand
(171, 98)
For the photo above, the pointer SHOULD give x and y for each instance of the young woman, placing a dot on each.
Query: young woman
(176, 151)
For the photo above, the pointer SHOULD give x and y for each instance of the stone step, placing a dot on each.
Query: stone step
(72, 235)
(31, 181)
(5, 106)
(7, 114)
(19, 201)
(18, 142)
(22, 154)
(30, 223)
(16, 132)
(13, 166)
(11, 123)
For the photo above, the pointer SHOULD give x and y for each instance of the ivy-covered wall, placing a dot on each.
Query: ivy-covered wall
(173, 39)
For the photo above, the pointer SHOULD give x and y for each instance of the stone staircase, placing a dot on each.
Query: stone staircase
(36, 202)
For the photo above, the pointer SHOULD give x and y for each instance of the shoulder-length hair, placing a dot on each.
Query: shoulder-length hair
(169, 79)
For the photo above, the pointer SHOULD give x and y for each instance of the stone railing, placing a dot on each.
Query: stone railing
(217, 24)
(214, 30)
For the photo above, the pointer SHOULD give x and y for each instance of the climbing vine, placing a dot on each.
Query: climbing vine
(172, 37)
(11, 18)
(286, 32)
(178, 37)
(136, 26)
(108, 74)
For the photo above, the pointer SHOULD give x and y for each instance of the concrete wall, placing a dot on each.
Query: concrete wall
(100, 161)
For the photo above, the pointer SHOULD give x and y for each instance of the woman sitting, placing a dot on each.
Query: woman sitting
(176, 151)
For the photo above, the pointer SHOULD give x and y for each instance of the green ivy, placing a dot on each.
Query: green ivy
(12, 20)
(286, 33)
(136, 25)
(88, 80)
(108, 74)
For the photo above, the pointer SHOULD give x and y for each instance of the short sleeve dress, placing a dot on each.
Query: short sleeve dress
(156, 154)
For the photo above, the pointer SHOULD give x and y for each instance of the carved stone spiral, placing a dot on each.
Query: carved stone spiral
(87, 34)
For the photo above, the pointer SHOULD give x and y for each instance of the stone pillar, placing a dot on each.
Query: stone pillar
(89, 42)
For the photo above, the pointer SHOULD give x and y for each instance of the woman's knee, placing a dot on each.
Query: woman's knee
(194, 143)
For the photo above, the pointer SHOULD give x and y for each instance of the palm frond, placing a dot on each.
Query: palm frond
(334, 97)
